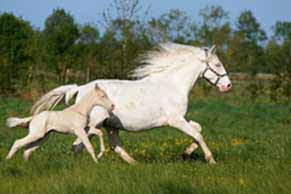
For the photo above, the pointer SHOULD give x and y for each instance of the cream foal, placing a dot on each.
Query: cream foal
(72, 120)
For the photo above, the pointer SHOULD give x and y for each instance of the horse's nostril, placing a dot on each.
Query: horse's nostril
(229, 85)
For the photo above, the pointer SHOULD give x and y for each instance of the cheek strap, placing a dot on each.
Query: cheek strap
(219, 76)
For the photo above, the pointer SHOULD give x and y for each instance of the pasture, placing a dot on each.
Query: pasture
(250, 141)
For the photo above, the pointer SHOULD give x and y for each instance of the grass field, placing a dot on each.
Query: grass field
(250, 141)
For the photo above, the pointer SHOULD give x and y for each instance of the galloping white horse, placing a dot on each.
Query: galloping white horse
(158, 98)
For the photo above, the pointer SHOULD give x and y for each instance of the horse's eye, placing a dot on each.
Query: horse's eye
(218, 65)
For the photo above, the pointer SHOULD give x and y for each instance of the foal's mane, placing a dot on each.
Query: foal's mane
(163, 57)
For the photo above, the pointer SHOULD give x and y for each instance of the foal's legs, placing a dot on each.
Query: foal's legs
(97, 117)
(115, 144)
(22, 142)
(33, 146)
(99, 133)
(82, 135)
(187, 128)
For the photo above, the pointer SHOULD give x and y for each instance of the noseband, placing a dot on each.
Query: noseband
(208, 68)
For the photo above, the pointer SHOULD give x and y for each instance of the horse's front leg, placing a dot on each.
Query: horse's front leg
(187, 128)
(193, 146)
(115, 145)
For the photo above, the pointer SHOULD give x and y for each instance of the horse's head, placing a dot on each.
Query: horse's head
(102, 99)
(214, 71)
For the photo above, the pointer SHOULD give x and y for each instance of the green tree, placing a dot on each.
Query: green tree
(279, 58)
(88, 49)
(60, 35)
(174, 25)
(245, 49)
(215, 28)
(124, 37)
(15, 35)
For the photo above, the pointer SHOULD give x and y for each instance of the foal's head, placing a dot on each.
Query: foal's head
(101, 99)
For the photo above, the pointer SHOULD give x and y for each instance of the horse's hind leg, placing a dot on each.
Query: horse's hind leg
(22, 142)
(33, 146)
(115, 144)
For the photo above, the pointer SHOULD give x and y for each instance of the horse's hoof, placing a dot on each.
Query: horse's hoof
(186, 156)
(77, 149)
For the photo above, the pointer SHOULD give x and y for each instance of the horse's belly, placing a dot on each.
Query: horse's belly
(134, 120)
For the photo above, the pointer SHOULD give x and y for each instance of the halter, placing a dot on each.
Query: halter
(208, 68)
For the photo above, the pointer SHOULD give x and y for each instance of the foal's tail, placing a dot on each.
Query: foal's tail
(52, 98)
(15, 121)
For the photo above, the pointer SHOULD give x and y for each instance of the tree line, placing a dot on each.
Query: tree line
(65, 51)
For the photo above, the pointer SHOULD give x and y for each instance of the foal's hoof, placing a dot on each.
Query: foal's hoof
(25, 157)
(7, 158)
(100, 155)
(132, 162)
(211, 160)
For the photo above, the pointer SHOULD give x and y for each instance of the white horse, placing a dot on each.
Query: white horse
(158, 98)
(73, 120)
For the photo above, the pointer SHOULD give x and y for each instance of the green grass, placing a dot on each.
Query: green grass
(250, 141)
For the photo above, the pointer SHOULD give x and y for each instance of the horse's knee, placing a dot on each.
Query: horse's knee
(196, 125)
(117, 149)
(198, 137)
(113, 146)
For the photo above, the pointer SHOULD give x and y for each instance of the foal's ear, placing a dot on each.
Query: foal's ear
(97, 87)
(212, 50)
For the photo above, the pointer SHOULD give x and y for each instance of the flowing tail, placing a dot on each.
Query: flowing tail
(52, 98)
(15, 121)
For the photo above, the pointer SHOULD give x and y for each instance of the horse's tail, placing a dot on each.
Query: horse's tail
(15, 121)
(52, 98)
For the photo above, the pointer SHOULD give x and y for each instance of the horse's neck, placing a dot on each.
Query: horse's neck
(183, 78)
(85, 105)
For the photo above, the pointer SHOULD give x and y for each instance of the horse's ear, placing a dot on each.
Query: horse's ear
(212, 50)
(97, 87)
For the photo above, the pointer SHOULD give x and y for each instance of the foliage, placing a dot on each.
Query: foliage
(65, 51)
(15, 35)
(60, 34)
(279, 54)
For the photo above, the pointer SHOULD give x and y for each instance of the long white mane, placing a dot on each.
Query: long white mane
(164, 57)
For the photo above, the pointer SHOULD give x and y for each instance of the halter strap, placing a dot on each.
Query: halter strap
(208, 68)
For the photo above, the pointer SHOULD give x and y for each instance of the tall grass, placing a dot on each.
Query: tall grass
(250, 141)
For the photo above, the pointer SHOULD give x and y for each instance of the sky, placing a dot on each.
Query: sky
(267, 12)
